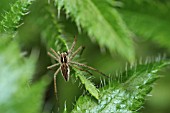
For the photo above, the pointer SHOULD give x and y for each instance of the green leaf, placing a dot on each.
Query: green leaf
(102, 22)
(88, 84)
(127, 96)
(51, 35)
(15, 72)
(11, 19)
(151, 22)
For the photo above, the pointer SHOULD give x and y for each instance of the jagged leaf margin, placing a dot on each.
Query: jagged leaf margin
(11, 19)
(102, 22)
(89, 86)
(127, 96)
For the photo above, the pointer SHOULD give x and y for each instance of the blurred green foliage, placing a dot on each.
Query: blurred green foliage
(114, 32)
(16, 91)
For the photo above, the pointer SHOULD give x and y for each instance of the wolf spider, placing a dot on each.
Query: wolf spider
(64, 59)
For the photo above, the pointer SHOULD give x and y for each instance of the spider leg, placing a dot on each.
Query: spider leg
(49, 67)
(55, 85)
(55, 53)
(72, 47)
(79, 49)
(51, 55)
(81, 69)
(91, 68)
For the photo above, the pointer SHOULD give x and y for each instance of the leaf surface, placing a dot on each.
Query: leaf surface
(126, 96)
(89, 86)
(151, 22)
(102, 22)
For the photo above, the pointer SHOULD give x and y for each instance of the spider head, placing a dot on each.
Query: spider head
(64, 57)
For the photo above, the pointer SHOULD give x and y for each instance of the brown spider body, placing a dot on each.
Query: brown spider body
(65, 60)
(65, 70)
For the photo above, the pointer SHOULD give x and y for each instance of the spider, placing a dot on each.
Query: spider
(65, 59)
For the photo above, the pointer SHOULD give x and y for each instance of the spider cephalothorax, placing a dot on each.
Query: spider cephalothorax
(64, 59)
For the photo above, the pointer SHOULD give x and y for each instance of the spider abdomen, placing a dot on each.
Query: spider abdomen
(65, 71)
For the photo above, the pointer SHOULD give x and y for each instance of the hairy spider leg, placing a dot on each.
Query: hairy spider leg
(54, 65)
(55, 85)
(72, 47)
(51, 55)
(56, 54)
(79, 49)
(91, 68)
(81, 69)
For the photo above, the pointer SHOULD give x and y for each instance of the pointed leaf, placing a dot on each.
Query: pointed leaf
(51, 35)
(126, 97)
(88, 85)
(11, 19)
(102, 22)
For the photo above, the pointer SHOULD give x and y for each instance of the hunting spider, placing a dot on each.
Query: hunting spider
(65, 59)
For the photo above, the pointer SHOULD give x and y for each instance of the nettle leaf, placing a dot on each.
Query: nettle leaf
(151, 22)
(15, 72)
(89, 86)
(102, 22)
(11, 19)
(126, 96)
(51, 35)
